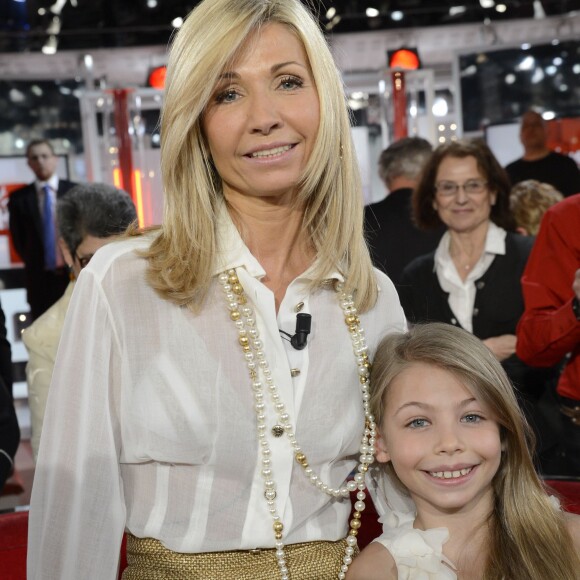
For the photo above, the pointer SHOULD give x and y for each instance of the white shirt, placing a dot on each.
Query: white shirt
(462, 293)
(150, 422)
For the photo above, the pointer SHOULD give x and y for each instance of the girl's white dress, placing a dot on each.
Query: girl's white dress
(417, 553)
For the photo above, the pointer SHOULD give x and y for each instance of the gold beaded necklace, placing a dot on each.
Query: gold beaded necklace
(249, 340)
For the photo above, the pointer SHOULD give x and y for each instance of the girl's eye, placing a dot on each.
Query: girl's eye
(472, 418)
(227, 96)
(291, 82)
(417, 423)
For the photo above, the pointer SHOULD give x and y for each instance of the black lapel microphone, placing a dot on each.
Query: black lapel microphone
(303, 324)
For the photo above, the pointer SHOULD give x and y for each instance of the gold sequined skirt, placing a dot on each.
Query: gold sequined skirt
(148, 559)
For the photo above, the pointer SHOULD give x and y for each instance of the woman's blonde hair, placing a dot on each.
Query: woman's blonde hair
(528, 537)
(529, 201)
(181, 257)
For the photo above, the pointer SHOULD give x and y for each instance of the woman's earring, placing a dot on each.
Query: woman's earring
(341, 151)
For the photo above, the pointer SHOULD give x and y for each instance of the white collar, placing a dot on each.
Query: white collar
(494, 244)
(232, 252)
(52, 182)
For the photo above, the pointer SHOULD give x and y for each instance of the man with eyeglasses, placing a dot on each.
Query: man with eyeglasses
(89, 216)
(33, 229)
(539, 163)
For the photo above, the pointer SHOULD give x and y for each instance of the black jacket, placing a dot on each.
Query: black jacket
(498, 306)
(26, 224)
(393, 239)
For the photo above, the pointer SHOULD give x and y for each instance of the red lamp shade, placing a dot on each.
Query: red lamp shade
(156, 77)
(404, 58)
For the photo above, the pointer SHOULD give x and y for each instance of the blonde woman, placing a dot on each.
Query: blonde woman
(529, 201)
(192, 415)
(451, 435)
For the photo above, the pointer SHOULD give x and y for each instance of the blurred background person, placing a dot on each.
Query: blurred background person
(9, 430)
(549, 329)
(89, 216)
(529, 201)
(393, 239)
(33, 228)
(538, 162)
(472, 279)
(9, 434)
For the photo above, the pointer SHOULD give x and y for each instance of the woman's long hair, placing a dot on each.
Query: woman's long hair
(181, 257)
(528, 538)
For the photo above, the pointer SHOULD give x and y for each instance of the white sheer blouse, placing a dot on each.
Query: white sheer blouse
(150, 424)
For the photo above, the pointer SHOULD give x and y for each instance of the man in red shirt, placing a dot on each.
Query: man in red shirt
(549, 329)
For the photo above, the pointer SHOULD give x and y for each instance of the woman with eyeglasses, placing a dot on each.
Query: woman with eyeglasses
(89, 216)
(472, 279)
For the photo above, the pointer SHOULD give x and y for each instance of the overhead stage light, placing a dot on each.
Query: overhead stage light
(404, 58)
(156, 77)
(51, 45)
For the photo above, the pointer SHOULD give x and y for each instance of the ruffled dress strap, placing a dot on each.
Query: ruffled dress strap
(418, 554)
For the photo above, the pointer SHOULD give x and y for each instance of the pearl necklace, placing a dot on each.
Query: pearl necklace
(249, 340)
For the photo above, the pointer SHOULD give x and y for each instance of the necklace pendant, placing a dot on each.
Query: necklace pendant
(277, 430)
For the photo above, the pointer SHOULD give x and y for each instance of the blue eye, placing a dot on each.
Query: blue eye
(417, 423)
(227, 96)
(290, 83)
(472, 418)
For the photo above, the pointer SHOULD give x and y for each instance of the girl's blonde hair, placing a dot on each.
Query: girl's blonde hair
(528, 538)
(181, 257)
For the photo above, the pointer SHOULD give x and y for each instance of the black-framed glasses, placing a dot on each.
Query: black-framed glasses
(470, 187)
(83, 260)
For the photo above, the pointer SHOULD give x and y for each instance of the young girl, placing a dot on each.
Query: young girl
(451, 435)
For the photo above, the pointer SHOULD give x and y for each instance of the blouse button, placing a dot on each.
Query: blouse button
(299, 306)
(294, 372)
(475, 311)
(454, 321)
(480, 285)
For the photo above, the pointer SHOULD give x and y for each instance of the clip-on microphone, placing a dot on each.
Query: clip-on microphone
(303, 324)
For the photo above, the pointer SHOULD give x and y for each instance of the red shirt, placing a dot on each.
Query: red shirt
(548, 329)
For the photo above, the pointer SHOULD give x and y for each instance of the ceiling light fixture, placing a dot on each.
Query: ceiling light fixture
(527, 63)
(330, 25)
(501, 8)
(539, 12)
(456, 10)
(51, 45)
(397, 15)
(177, 22)
(372, 12)
(538, 76)
(487, 3)
(330, 13)
(440, 107)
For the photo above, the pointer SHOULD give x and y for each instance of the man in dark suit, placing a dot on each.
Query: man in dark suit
(33, 229)
(393, 238)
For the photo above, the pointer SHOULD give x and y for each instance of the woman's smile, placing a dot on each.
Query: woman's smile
(262, 123)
